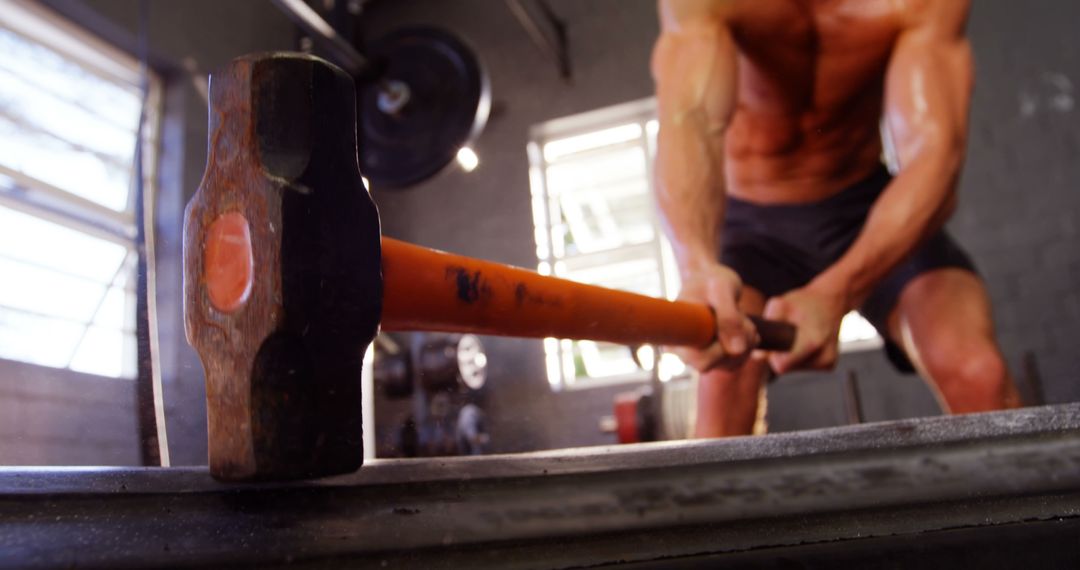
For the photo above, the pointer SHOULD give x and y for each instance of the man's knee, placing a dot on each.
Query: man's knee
(732, 388)
(971, 378)
(728, 401)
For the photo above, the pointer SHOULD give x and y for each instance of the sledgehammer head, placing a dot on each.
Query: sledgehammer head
(282, 271)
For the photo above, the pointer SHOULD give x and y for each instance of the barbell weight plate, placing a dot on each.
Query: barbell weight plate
(472, 362)
(438, 362)
(449, 98)
(393, 373)
(472, 434)
(451, 361)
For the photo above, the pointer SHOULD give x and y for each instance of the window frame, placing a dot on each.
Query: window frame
(640, 112)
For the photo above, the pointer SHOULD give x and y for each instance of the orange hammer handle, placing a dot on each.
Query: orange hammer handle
(425, 289)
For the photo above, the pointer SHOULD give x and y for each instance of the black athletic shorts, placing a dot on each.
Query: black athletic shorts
(777, 248)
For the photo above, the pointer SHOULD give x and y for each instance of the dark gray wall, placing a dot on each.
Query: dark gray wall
(1018, 212)
(1020, 196)
(50, 416)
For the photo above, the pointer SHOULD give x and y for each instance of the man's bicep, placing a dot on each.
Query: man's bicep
(928, 89)
(694, 68)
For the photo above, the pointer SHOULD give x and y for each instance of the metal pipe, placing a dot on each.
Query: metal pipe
(326, 37)
(852, 400)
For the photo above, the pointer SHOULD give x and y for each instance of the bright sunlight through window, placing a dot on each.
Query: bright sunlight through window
(69, 112)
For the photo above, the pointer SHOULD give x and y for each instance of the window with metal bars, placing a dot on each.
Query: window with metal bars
(69, 120)
(596, 221)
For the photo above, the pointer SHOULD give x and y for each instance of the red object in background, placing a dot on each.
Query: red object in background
(626, 417)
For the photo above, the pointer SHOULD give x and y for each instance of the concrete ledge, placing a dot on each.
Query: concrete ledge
(643, 503)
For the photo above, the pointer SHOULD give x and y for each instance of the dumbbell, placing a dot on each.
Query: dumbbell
(287, 278)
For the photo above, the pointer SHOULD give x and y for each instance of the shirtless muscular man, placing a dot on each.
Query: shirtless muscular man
(773, 192)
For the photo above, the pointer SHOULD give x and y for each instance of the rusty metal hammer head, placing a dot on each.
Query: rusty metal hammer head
(282, 276)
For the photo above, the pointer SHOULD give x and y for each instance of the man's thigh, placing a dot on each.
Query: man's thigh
(949, 301)
(938, 262)
(943, 321)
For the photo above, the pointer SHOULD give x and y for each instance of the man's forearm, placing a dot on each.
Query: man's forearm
(927, 94)
(690, 190)
(694, 66)
(914, 206)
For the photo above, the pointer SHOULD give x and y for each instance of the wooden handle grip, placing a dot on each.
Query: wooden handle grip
(425, 289)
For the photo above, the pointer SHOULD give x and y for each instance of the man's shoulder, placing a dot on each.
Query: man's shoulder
(678, 14)
(948, 16)
(730, 12)
(757, 13)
